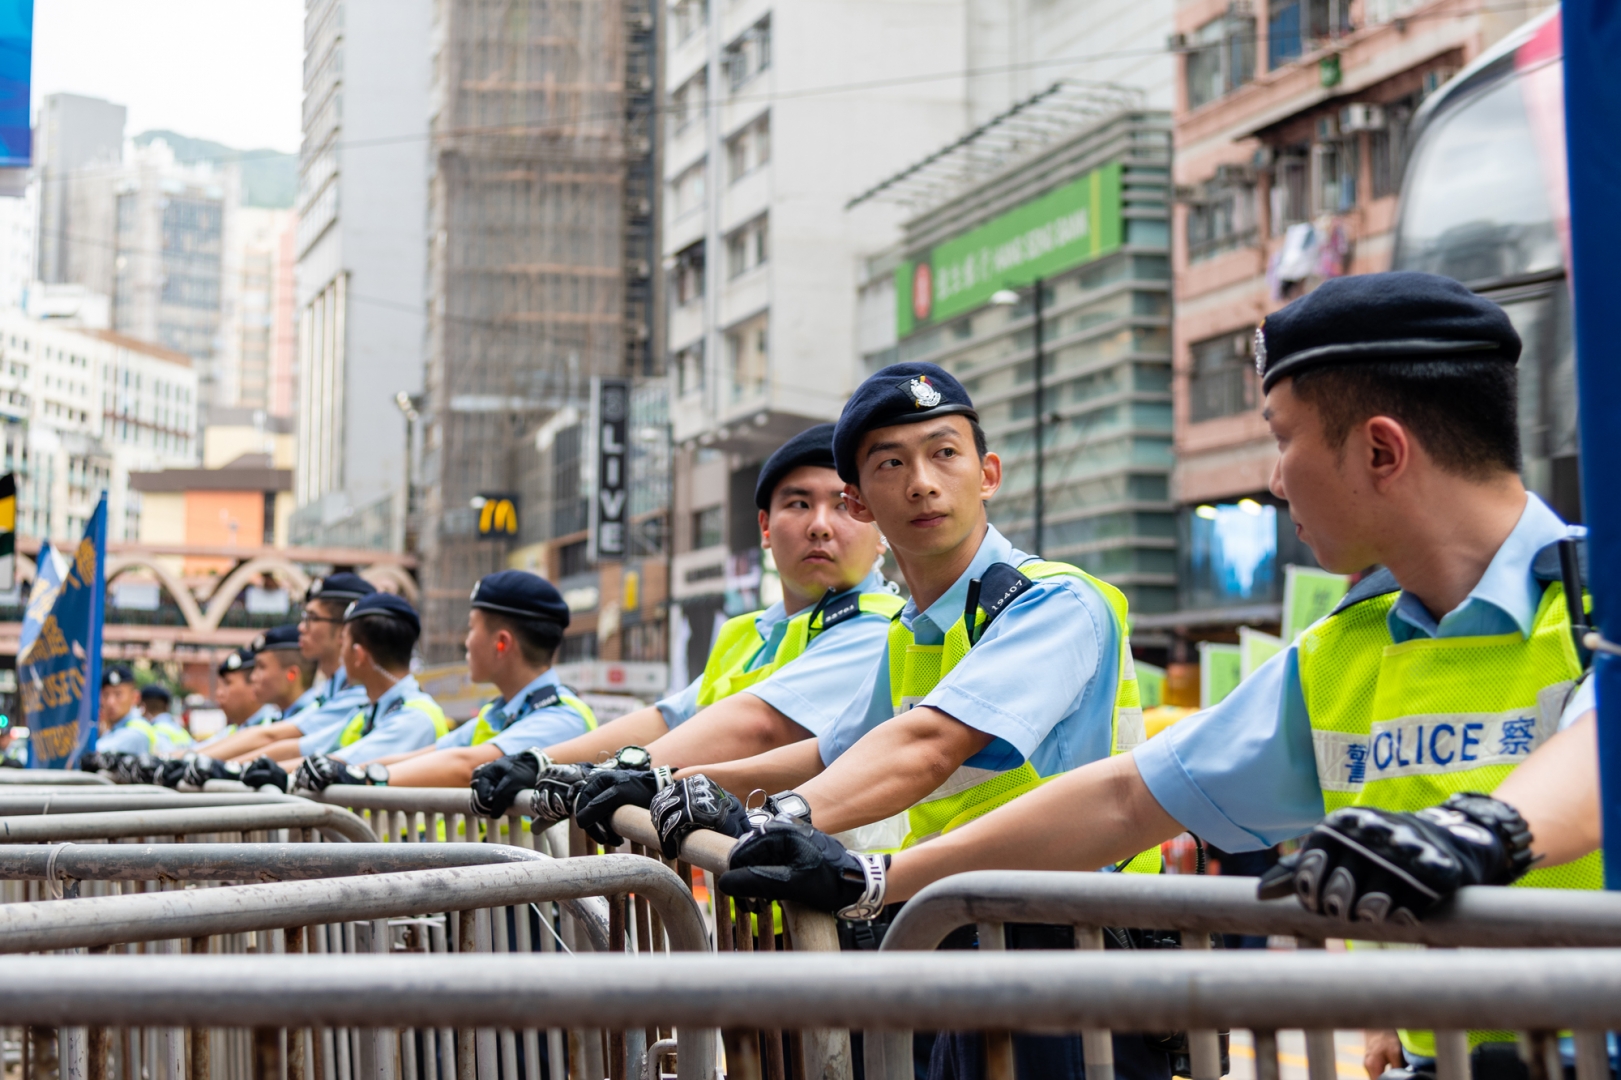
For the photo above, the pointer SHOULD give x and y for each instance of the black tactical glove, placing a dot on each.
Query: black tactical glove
(555, 789)
(90, 761)
(136, 769)
(694, 803)
(262, 771)
(497, 783)
(626, 780)
(789, 860)
(320, 772)
(202, 768)
(1373, 865)
(171, 771)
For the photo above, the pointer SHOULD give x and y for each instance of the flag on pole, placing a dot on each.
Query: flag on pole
(8, 532)
(59, 676)
(50, 567)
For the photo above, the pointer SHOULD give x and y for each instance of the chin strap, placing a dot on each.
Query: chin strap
(871, 903)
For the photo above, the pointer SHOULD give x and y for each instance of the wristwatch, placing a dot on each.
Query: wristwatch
(791, 803)
(633, 758)
(377, 775)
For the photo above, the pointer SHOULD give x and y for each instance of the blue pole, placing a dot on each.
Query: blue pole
(1592, 42)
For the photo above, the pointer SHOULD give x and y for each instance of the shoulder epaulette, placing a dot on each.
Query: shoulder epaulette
(846, 606)
(543, 698)
(999, 586)
(1545, 564)
(1380, 582)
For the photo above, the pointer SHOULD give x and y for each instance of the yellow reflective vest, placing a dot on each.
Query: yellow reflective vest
(360, 725)
(1402, 726)
(915, 670)
(544, 698)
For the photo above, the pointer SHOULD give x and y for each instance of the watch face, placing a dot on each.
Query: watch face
(377, 774)
(355, 772)
(633, 757)
(794, 805)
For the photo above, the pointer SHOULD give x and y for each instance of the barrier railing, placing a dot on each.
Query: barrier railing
(333, 821)
(352, 914)
(61, 777)
(1535, 992)
(1200, 906)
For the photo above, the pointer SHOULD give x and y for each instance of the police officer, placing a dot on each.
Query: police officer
(331, 701)
(234, 695)
(379, 633)
(514, 627)
(155, 702)
(125, 733)
(283, 681)
(1392, 398)
(773, 677)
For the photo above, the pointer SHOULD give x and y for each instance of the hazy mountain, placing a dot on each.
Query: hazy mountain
(269, 177)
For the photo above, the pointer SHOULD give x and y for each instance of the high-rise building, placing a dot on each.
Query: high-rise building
(257, 302)
(361, 248)
(75, 135)
(541, 279)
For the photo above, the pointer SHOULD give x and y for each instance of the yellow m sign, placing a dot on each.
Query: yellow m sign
(498, 516)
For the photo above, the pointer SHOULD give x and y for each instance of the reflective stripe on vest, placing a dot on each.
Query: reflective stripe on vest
(484, 731)
(177, 735)
(357, 728)
(739, 642)
(147, 728)
(915, 670)
(1401, 727)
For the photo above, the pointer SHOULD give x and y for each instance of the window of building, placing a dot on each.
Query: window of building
(748, 247)
(688, 101)
(1222, 216)
(689, 369)
(1291, 187)
(573, 559)
(749, 55)
(1296, 27)
(687, 17)
(1219, 59)
(687, 190)
(708, 527)
(749, 149)
(1222, 382)
(747, 354)
(687, 276)
(1387, 149)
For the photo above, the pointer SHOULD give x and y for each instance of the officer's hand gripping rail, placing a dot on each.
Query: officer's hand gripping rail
(1477, 917)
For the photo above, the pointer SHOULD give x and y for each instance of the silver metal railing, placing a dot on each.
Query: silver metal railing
(365, 908)
(64, 777)
(1536, 991)
(1198, 906)
(334, 822)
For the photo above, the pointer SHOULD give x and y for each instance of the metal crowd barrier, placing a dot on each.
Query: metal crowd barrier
(1199, 906)
(346, 914)
(1537, 992)
(63, 777)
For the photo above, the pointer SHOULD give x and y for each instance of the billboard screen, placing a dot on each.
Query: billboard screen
(16, 75)
(1069, 225)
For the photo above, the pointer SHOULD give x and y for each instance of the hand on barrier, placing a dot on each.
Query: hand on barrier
(629, 780)
(1372, 865)
(789, 860)
(496, 783)
(555, 789)
(320, 772)
(262, 771)
(90, 761)
(172, 770)
(694, 803)
(135, 768)
(201, 768)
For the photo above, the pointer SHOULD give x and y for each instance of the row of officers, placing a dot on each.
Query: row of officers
(1439, 717)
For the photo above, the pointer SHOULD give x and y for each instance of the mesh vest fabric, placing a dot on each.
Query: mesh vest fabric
(355, 729)
(484, 731)
(739, 641)
(1439, 716)
(915, 670)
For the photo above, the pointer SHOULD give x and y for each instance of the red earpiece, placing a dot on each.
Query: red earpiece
(500, 646)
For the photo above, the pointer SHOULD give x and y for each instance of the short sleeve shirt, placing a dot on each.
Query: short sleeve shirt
(519, 729)
(1041, 680)
(321, 724)
(399, 728)
(1243, 774)
(126, 739)
(818, 685)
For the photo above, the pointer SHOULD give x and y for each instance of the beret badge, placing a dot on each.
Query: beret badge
(1260, 349)
(925, 395)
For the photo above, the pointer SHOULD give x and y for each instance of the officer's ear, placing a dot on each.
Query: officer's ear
(857, 508)
(765, 529)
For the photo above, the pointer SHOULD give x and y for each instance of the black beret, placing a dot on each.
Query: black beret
(520, 594)
(342, 586)
(236, 660)
(1402, 315)
(277, 638)
(117, 675)
(384, 604)
(813, 446)
(156, 690)
(899, 394)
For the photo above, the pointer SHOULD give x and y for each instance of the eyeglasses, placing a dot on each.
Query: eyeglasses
(311, 617)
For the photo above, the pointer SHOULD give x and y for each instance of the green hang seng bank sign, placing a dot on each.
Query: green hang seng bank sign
(1064, 228)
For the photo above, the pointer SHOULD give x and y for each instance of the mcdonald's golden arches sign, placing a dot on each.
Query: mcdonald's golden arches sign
(497, 516)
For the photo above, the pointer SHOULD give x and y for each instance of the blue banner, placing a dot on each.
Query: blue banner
(59, 677)
(16, 77)
(49, 570)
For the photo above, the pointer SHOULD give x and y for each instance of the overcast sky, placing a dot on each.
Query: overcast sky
(228, 70)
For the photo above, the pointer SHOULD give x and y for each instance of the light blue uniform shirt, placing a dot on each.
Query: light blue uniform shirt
(519, 730)
(1041, 680)
(264, 714)
(399, 727)
(307, 700)
(1243, 774)
(818, 686)
(125, 739)
(322, 724)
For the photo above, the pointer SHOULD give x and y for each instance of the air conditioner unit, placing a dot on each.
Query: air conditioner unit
(1176, 42)
(1362, 117)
